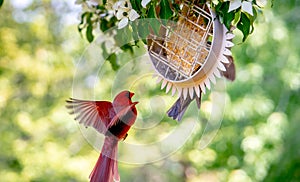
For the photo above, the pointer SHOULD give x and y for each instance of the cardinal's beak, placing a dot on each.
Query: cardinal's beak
(131, 94)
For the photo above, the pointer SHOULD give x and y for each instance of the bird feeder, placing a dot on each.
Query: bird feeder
(190, 53)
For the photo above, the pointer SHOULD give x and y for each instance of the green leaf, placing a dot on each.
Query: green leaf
(135, 34)
(1, 3)
(88, 17)
(123, 36)
(104, 25)
(252, 19)
(89, 29)
(228, 18)
(104, 2)
(244, 26)
(113, 61)
(221, 11)
(155, 25)
(102, 8)
(237, 18)
(165, 10)
(218, 7)
(89, 33)
(111, 58)
(136, 5)
(152, 12)
(143, 29)
(112, 22)
(81, 21)
(104, 50)
(127, 47)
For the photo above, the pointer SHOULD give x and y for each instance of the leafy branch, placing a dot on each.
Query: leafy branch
(122, 13)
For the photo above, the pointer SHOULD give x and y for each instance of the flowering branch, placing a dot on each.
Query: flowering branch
(238, 13)
(106, 14)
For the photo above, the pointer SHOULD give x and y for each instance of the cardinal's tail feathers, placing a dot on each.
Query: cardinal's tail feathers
(176, 112)
(178, 108)
(106, 168)
(230, 69)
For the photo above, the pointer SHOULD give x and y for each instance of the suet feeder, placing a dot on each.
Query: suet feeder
(190, 53)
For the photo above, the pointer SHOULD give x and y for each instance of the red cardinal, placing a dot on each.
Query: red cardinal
(111, 119)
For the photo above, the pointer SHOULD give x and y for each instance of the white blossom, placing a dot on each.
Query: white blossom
(145, 2)
(246, 6)
(261, 3)
(124, 12)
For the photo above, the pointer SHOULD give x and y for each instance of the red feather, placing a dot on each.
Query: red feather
(111, 119)
(96, 114)
(106, 168)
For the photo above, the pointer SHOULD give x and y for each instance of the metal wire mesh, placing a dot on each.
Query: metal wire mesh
(182, 47)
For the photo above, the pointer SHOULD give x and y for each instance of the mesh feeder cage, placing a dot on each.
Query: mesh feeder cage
(189, 54)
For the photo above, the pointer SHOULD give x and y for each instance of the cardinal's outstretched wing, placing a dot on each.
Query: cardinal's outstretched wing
(97, 114)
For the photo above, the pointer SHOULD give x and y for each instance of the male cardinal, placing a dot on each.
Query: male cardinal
(179, 107)
(111, 119)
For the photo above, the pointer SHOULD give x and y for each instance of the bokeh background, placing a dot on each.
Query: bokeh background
(259, 139)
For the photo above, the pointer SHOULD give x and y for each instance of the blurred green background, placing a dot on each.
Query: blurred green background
(259, 139)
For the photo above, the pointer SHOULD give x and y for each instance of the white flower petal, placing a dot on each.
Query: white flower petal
(247, 7)
(120, 14)
(261, 3)
(127, 4)
(234, 4)
(123, 23)
(117, 5)
(145, 2)
(122, 4)
(133, 15)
